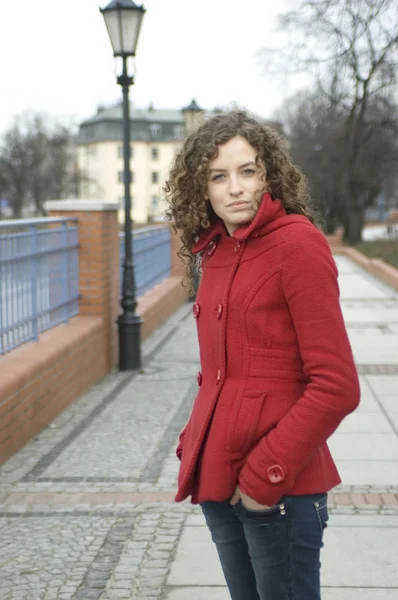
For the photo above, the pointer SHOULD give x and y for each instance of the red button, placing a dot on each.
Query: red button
(275, 474)
(211, 248)
(237, 247)
(199, 378)
(219, 311)
(218, 376)
(196, 310)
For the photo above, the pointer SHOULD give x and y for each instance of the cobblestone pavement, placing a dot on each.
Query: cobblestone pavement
(87, 507)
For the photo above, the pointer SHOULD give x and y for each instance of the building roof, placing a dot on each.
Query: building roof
(150, 114)
(193, 107)
(146, 124)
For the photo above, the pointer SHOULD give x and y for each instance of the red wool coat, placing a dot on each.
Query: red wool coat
(277, 372)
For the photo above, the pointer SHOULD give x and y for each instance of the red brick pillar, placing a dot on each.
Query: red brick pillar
(99, 263)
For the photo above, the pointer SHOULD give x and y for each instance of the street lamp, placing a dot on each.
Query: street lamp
(123, 19)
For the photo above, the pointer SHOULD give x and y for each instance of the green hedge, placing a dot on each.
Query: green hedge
(387, 250)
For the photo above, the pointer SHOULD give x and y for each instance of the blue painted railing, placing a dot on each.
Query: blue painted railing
(151, 256)
(39, 273)
(39, 277)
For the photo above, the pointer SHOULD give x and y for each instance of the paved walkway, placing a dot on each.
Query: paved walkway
(86, 508)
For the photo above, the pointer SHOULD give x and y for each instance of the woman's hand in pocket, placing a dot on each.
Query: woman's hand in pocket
(247, 501)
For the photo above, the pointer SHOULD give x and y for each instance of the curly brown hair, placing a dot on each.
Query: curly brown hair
(188, 211)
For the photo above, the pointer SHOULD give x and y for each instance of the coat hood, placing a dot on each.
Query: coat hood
(267, 219)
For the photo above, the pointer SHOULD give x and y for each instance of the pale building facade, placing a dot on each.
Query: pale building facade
(156, 136)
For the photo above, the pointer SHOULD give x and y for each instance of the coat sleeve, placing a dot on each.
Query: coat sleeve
(309, 279)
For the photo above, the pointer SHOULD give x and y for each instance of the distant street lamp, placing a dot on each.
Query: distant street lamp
(123, 19)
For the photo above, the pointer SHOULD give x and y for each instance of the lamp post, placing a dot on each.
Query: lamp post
(123, 19)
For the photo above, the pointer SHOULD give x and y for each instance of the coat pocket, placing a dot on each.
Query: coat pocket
(244, 421)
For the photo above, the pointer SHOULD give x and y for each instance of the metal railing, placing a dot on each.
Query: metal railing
(39, 277)
(151, 255)
(39, 273)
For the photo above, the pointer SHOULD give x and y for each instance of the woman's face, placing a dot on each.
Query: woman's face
(233, 182)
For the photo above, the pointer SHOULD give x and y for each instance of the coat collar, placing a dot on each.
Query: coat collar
(268, 211)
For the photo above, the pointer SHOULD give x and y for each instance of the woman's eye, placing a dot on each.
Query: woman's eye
(217, 177)
(249, 172)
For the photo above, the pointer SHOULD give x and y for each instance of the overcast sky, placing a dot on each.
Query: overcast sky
(56, 56)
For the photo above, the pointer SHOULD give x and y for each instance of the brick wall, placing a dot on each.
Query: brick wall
(40, 379)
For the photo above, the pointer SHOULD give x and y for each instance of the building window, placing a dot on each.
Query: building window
(178, 132)
(120, 177)
(155, 177)
(156, 130)
(91, 150)
(155, 202)
(120, 152)
(155, 153)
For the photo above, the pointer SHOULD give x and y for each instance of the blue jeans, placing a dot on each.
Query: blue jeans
(271, 554)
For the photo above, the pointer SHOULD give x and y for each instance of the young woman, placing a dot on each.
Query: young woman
(277, 372)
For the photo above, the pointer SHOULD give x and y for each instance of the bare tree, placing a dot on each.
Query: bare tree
(316, 132)
(55, 173)
(37, 163)
(350, 47)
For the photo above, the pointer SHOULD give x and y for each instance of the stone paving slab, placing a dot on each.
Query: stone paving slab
(80, 556)
(42, 558)
(359, 422)
(345, 265)
(110, 456)
(394, 417)
(368, 404)
(356, 286)
(380, 316)
(354, 556)
(221, 593)
(384, 386)
(360, 557)
(196, 560)
(365, 521)
(364, 349)
(364, 446)
(199, 593)
(390, 405)
(356, 282)
(357, 472)
(350, 593)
